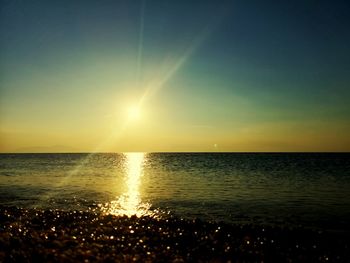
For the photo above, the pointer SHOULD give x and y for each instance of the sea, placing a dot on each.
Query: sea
(310, 190)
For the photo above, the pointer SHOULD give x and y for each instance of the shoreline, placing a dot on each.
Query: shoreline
(32, 235)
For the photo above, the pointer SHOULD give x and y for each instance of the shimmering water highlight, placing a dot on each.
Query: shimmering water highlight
(130, 203)
(271, 188)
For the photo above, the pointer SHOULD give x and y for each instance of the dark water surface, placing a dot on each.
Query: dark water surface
(307, 189)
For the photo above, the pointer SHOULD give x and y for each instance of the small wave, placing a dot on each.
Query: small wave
(7, 174)
(121, 207)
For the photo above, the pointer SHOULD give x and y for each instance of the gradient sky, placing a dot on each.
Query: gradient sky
(206, 75)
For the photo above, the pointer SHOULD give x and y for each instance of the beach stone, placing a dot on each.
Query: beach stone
(75, 236)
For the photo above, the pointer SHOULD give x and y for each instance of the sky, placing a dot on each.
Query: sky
(153, 76)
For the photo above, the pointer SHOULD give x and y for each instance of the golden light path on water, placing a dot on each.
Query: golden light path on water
(130, 204)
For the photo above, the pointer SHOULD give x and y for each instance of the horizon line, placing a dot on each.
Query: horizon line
(174, 152)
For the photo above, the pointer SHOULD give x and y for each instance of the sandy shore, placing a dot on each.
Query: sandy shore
(57, 236)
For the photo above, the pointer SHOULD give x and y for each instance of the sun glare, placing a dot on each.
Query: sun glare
(134, 112)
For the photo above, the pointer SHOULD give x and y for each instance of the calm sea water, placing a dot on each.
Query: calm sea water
(306, 189)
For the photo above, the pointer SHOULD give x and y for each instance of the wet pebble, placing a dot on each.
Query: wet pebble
(84, 236)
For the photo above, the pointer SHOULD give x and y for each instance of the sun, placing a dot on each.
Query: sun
(134, 112)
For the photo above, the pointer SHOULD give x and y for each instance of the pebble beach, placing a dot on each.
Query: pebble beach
(34, 235)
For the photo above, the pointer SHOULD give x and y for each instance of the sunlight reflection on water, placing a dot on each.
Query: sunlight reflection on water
(130, 204)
